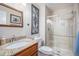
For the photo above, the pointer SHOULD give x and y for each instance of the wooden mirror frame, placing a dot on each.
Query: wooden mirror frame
(5, 25)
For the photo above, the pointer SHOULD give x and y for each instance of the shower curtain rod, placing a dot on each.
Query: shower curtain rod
(60, 14)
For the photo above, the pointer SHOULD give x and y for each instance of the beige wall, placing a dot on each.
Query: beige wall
(48, 11)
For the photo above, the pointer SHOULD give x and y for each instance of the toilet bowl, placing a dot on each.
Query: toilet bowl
(45, 51)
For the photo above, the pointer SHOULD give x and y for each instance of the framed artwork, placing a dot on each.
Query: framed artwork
(35, 20)
(15, 19)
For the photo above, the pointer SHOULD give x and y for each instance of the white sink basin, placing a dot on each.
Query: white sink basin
(17, 45)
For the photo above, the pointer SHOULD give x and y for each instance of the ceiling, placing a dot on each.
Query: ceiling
(57, 6)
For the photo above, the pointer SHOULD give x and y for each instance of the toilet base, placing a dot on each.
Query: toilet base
(42, 54)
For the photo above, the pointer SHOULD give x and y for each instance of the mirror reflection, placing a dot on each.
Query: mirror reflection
(10, 16)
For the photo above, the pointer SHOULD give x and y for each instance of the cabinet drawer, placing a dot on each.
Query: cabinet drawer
(29, 51)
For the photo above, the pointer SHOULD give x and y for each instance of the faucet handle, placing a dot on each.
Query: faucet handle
(13, 38)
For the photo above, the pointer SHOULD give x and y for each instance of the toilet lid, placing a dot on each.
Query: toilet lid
(45, 49)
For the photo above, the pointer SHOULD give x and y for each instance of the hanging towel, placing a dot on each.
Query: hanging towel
(76, 48)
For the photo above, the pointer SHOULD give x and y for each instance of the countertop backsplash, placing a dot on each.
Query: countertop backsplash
(8, 40)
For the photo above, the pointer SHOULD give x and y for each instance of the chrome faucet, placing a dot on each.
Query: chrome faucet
(13, 38)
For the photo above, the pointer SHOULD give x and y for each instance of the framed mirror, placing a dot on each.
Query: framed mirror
(10, 17)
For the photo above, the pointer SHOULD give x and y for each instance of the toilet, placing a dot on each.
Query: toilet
(43, 50)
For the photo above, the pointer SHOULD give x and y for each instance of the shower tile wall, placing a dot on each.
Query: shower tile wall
(50, 36)
(62, 42)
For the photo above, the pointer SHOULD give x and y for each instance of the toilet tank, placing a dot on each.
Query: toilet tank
(40, 41)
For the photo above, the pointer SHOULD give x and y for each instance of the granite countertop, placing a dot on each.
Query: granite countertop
(10, 52)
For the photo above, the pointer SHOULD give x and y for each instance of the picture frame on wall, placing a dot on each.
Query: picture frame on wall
(35, 20)
(15, 19)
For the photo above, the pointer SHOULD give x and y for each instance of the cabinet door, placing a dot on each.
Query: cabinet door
(35, 54)
(30, 51)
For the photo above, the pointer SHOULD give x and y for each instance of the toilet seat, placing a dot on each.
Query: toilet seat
(46, 50)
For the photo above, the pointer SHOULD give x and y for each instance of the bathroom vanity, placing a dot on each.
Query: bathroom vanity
(30, 51)
(23, 47)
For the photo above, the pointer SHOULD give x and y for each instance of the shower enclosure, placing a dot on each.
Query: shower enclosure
(60, 31)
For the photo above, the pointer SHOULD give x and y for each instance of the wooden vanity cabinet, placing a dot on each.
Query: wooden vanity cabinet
(30, 51)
